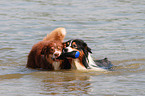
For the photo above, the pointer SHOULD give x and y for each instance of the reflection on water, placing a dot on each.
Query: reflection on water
(134, 65)
(69, 82)
(66, 83)
(113, 29)
(51, 83)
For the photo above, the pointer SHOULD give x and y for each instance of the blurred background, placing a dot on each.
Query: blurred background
(112, 28)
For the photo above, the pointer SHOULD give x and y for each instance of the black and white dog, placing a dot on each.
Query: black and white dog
(84, 61)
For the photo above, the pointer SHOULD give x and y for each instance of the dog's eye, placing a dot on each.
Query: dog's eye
(67, 44)
(74, 46)
(52, 49)
(59, 48)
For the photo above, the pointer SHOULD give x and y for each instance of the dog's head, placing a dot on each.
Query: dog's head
(76, 45)
(51, 50)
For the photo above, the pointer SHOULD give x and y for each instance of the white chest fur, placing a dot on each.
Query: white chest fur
(77, 65)
(56, 65)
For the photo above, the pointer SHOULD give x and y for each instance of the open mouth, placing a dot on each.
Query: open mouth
(54, 59)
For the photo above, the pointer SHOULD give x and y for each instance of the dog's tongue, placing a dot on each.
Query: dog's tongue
(57, 60)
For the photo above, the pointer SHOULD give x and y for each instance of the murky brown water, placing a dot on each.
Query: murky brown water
(113, 29)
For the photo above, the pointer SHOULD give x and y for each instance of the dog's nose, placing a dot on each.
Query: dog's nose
(65, 50)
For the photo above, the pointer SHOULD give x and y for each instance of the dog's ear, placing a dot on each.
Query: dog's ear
(44, 49)
(87, 48)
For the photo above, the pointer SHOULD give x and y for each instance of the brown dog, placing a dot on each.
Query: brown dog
(44, 53)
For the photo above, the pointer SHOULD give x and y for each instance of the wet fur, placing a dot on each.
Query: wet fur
(84, 61)
(40, 54)
(57, 34)
(81, 62)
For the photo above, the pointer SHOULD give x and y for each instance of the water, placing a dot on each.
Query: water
(112, 28)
